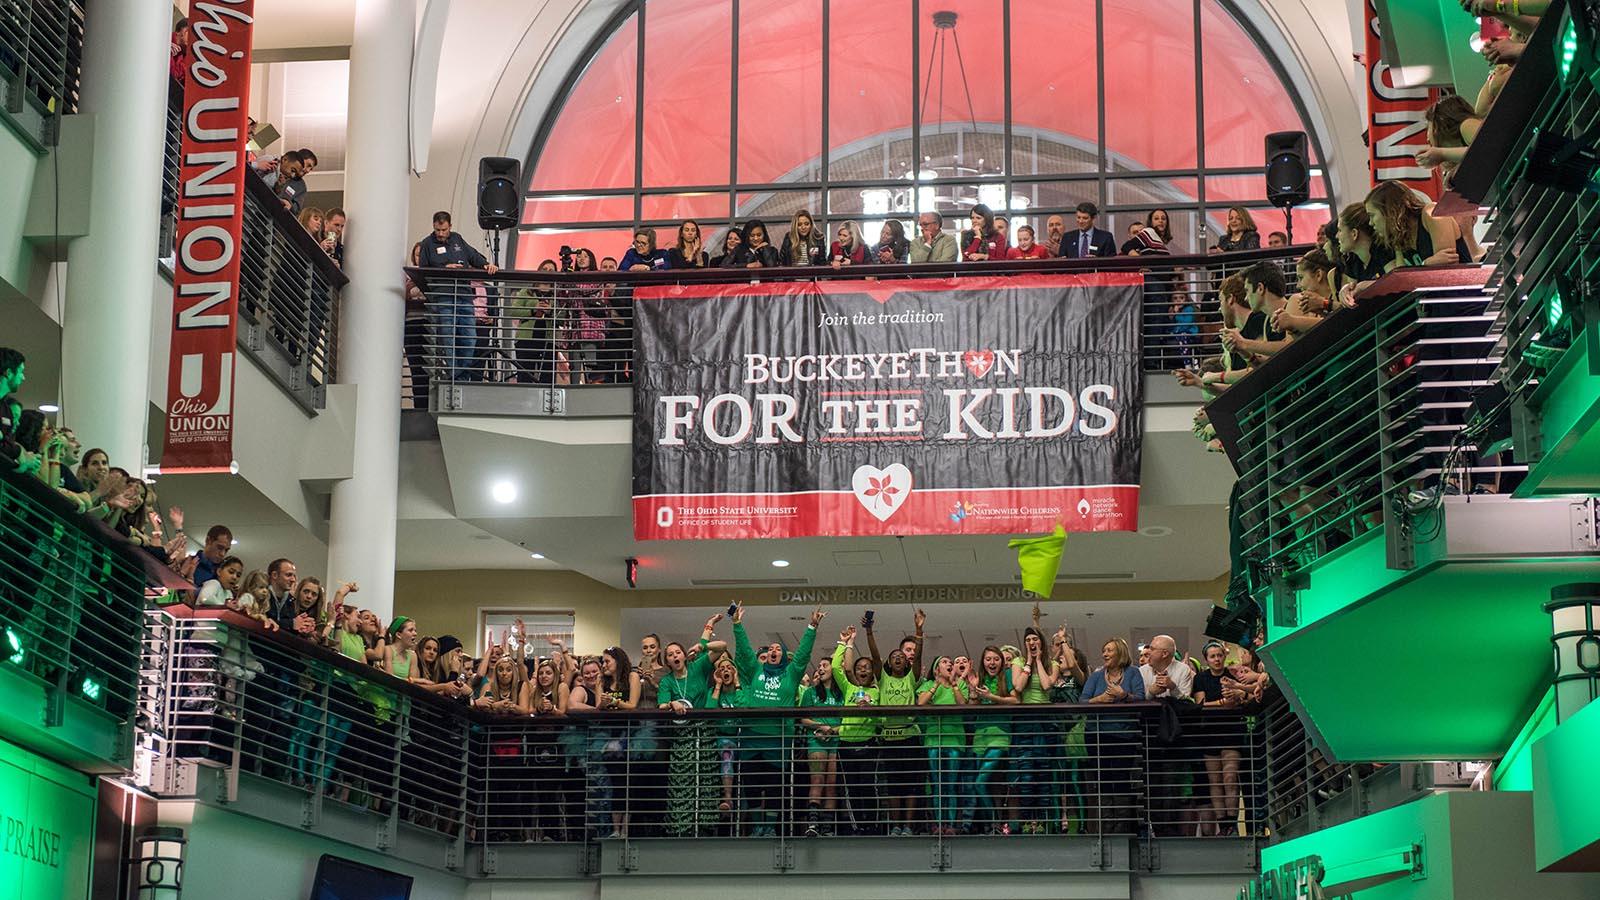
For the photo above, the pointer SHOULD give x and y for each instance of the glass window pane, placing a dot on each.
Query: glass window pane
(869, 100)
(564, 208)
(1150, 85)
(676, 207)
(545, 243)
(961, 99)
(591, 145)
(688, 53)
(776, 208)
(1245, 100)
(780, 91)
(1055, 127)
(1151, 192)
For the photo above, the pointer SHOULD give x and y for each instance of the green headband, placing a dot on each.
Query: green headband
(398, 623)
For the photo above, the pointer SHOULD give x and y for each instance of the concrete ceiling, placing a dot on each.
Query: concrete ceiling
(572, 505)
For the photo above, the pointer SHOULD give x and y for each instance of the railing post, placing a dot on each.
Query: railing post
(1399, 551)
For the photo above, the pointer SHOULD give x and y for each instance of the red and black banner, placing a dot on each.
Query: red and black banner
(205, 275)
(928, 406)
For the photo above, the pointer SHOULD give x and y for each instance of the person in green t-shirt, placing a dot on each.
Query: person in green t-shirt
(858, 747)
(692, 772)
(771, 678)
(902, 765)
(1033, 674)
(945, 738)
(822, 749)
(991, 683)
(726, 693)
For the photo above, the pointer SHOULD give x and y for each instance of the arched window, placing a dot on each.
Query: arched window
(728, 110)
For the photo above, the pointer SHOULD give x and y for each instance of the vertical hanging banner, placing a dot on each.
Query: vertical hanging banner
(983, 405)
(1397, 127)
(210, 210)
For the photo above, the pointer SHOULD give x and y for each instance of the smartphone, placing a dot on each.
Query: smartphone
(866, 619)
(732, 608)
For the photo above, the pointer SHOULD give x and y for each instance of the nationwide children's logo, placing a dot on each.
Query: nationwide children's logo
(961, 510)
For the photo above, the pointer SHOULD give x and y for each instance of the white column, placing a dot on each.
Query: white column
(361, 530)
(111, 271)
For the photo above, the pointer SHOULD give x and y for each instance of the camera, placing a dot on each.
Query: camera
(565, 253)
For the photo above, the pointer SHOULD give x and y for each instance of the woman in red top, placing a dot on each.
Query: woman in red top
(1026, 248)
(850, 249)
(982, 241)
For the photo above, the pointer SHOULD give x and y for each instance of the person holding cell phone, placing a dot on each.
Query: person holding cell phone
(858, 747)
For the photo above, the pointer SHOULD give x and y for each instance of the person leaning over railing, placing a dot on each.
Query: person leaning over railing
(1404, 223)
(643, 256)
(932, 244)
(1114, 739)
(849, 247)
(1026, 248)
(727, 255)
(803, 245)
(757, 251)
(858, 746)
(506, 693)
(1241, 233)
(892, 247)
(982, 241)
(1264, 291)
(688, 251)
(1312, 303)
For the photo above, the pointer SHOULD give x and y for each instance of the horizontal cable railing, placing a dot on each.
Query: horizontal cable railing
(71, 594)
(572, 329)
(1362, 417)
(285, 709)
(1544, 251)
(41, 56)
(288, 285)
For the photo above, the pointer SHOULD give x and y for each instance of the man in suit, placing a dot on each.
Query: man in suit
(1088, 240)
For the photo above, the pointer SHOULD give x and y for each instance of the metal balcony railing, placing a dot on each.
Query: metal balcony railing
(1359, 422)
(576, 329)
(278, 707)
(41, 56)
(71, 592)
(288, 286)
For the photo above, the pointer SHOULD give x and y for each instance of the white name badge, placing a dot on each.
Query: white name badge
(439, 249)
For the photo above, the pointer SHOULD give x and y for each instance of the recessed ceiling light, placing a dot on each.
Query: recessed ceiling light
(503, 492)
(235, 542)
(781, 563)
(1155, 531)
(49, 408)
(537, 555)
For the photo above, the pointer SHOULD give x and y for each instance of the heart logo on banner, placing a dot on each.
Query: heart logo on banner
(882, 491)
(978, 362)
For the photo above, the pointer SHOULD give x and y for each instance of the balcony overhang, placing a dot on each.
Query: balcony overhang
(1557, 426)
(1476, 590)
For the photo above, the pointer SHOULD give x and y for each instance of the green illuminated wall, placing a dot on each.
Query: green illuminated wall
(46, 828)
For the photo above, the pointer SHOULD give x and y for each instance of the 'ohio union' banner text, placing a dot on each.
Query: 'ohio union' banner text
(934, 406)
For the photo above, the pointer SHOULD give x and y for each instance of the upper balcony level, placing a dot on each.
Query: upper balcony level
(1374, 499)
(1534, 165)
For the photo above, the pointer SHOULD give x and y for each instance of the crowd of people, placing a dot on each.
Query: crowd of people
(832, 765)
(577, 333)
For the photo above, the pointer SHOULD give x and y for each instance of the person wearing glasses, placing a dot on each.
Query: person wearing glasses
(643, 255)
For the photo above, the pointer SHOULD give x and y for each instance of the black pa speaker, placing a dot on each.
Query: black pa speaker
(499, 201)
(1288, 175)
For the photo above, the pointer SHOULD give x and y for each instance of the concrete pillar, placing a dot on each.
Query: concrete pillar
(111, 271)
(361, 531)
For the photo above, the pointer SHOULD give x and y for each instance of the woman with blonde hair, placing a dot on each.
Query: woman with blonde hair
(1241, 233)
(1115, 738)
(802, 246)
(311, 219)
(851, 248)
